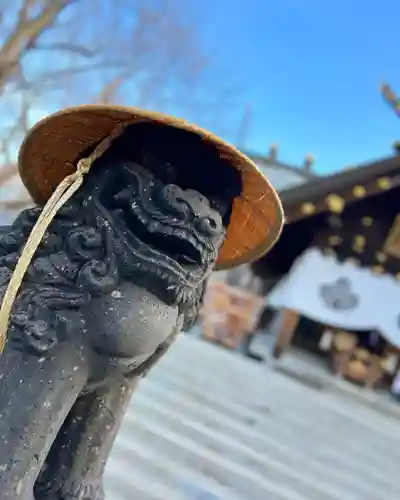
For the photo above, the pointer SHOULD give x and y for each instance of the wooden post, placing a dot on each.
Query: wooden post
(341, 361)
(287, 326)
(374, 373)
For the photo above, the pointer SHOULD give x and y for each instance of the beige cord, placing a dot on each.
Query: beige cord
(61, 195)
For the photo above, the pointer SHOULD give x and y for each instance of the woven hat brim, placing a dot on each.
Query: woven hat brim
(51, 148)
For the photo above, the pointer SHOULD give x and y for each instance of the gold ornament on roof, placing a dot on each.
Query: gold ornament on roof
(384, 182)
(359, 191)
(378, 269)
(335, 203)
(358, 243)
(334, 240)
(367, 221)
(392, 243)
(307, 208)
(380, 257)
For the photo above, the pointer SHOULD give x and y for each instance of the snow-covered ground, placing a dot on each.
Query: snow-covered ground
(208, 424)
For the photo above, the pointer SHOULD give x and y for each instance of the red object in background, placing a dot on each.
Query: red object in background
(229, 314)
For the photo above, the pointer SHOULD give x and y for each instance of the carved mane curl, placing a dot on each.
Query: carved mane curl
(77, 260)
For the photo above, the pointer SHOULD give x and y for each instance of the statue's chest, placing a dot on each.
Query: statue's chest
(130, 322)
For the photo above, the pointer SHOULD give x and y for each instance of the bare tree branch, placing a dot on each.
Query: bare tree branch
(53, 55)
(58, 75)
(107, 95)
(26, 33)
(7, 172)
(63, 46)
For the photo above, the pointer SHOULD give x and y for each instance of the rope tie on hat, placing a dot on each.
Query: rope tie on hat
(61, 195)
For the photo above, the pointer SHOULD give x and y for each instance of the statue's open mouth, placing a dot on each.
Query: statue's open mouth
(164, 246)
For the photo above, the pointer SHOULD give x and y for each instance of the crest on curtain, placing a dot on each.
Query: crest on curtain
(339, 295)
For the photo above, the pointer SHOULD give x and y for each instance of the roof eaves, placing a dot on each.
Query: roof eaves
(307, 174)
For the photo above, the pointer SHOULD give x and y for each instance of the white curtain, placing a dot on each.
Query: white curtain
(341, 295)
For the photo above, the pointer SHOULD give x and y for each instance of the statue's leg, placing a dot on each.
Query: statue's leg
(75, 465)
(76, 462)
(36, 395)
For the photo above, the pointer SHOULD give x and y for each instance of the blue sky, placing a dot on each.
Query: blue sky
(312, 72)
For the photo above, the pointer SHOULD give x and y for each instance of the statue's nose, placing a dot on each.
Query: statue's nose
(206, 219)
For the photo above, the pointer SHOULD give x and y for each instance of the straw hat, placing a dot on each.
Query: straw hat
(53, 146)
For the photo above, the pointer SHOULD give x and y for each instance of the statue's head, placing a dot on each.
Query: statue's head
(169, 200)
(164, 203)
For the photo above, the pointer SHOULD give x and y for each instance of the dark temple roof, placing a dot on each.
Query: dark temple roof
(349, 185)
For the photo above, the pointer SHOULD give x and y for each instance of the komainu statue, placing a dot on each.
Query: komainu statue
(134, 211)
